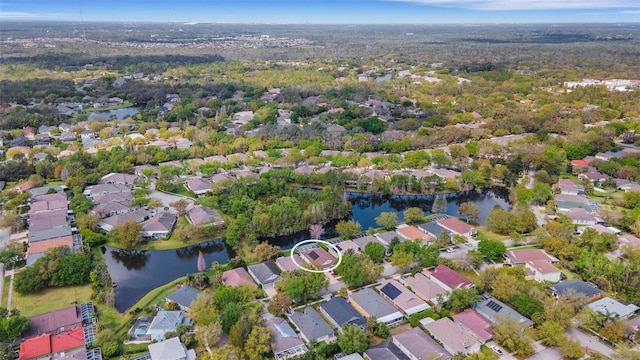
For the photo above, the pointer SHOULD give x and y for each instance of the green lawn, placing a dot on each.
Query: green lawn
(50, 299)
(126, 104)
(5, 291)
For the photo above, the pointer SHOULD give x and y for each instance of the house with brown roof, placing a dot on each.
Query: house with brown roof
(119, 178)
(417, 345)
(449, 279)
(200, 215)
(454, 337)
(457, 227)
(402, 298)
(476, 323)
(425, 288)
(580, 216)
(56, 321)
(318, 256)
(237, 277)
(410, 232)
(37, 249)
(363, 241)
(345, 246)
(538, 264)
(567, 187)
(199, 186)
(286, 264)
(159, 225)
(628, 239)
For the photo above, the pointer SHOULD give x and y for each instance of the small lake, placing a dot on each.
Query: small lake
(138, 272)
(118, 114)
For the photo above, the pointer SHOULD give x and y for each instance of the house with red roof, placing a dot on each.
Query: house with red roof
(476, 323)
(47, 344)
(318, 256)
(580, 163)
(410, 232)
(237, 277)
(449, 279)
(457, 227)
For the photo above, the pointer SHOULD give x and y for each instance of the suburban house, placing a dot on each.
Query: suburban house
(183, 296)
(171, 349)
(457, 227)
(493, 309)
(363, 241)
(285, 341)
(410, 232)
(454, 337)
(617, 308)
(199, 215)
(118, 178)
(199, 186)
(265, 273)
(580, 216)
(425, 288)
(588, 290)
(38, 249)
(52, 346)
(311, 326)
(104, 189)
(538, 264)
(345, 246)
(111, 222)
(385, 351)
(476, 323)
(387, 237)
(318, 256)
(164, 322)
(402, 298)
(628, 239)
(566, 202)
(339, 312)
(432, 229)
(593, 175)
(369, 303)
(56, 321)
(237, 277)
(449, 279)
(159, 226)
(568, 187)
(417, 345)
(286, 264)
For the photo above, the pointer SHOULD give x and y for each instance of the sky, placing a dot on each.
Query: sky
(325, 11)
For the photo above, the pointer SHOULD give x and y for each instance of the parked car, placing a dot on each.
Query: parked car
(497, 350)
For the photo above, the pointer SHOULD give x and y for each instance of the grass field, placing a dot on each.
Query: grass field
(5, 291)
(50, 299)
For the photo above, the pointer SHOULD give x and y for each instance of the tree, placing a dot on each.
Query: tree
(353, 339)
(301, 285)
(72, 269)
(258, 343)
(358, 270)
(402, 259)
(202, 266)
(348, 229)
(551, 333)
(443, 239)
(505, 286)
(316, 231)
(387, 220)
(89, 221)
(230, 316)
(127, 234)
(413, 215)
(203, 310)
(278, 304)
(375, 251)
(11, 327)
(265, 251)
(512, 336)
(180, 206)
(470, 211)
(570, 349)
(462, 298)
(492, 249)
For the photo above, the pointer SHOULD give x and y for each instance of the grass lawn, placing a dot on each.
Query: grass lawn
(484, 233)
(5, 291)
(50, 299)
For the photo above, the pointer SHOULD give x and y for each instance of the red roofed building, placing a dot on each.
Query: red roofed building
(413, 233)
(538, 263)
(579, 163)
(448, 279)
(457, 227)
(479, 325)
(51, 344)
(319, 256)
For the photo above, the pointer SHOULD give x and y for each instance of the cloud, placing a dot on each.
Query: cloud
(16, 14)
(528, 4)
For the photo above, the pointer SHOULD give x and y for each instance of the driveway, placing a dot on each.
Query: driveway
(591, 343)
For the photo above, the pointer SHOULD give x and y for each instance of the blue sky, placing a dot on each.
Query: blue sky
(325, 11)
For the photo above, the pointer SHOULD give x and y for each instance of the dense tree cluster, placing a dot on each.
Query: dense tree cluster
(59, 267)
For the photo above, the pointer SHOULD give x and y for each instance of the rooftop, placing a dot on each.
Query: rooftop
(454, 337)
(237, 277)
(371, 302)
(576, 286)
(456, 226)
(340, 311)
(402, 298)
(424, 287)
(419, 344)
(184, 296)
(449, 277)
(311, 324)
(480, 326)
(265, 272)
(50, 322)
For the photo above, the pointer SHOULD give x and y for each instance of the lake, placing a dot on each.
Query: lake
(138, 272)
(118, 114)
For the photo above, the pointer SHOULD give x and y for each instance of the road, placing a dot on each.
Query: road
(591, 343)
(535, 208)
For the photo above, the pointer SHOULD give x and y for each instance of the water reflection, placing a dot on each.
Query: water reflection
(131, 259)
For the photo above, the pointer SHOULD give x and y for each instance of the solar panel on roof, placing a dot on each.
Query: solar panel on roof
(494, 306)
(285, 330)
(314, 255)
(391, 291)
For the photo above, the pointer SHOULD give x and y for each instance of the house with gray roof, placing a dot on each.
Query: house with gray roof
(432, 228)
(618, 308)
(493, 309)
(183, 296)
(199, 186)
(339, 312)
(119, 178)
(44, 190)
(416, 344)
(166, 321)
(363, 241)
(311, 326)
(200, 215)
(286, 342)
(104, 189)
(589, 290)
(265, 273)
(46, 234)
(171, 349)
(108, 224)
(387, 237)
(385, 351)
(159, 225)
(369, 303)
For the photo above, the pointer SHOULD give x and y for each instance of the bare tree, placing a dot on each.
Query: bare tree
(316, 231)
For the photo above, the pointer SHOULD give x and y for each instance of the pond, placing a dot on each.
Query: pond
(138, 272)
(118, 114)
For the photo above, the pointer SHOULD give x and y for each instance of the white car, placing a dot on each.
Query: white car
(450, 250)
(496, 350)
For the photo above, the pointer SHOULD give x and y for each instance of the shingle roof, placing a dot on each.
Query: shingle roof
(184, 296)
(387, 236)
(201, 215)
(385, 351)
(160, 222)
(286, 264)
(341, 312)
(424, 287)
(371, 302)
(528, 255)
(66, 318)
(265, 272)
(320, 257)
(419, 344)
(452, 335)
(618, 308)
(282, 335)
(432, 228)
(402, 298)
(577, 286)
(455, 225)
(166, 320)
(237, 277)
(450, 278)
(493, 309)
(311, 324)
(42, 246)
(475, 322)
(49, 233)
(199, 184)
(170, 349)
